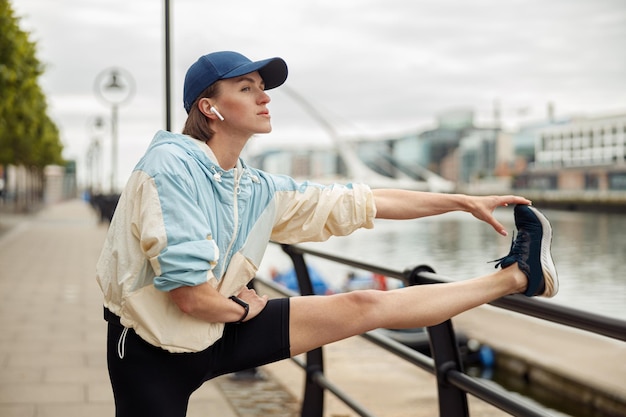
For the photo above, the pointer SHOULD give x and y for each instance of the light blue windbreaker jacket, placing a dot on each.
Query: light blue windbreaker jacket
(182, 221)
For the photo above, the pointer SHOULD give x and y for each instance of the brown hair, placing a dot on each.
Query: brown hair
(197, 124)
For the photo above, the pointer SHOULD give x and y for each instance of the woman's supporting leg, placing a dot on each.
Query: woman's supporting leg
(147, 380)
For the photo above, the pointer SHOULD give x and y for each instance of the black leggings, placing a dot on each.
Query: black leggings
(150, 381)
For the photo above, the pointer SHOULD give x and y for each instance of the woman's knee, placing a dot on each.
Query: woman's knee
(363, 300)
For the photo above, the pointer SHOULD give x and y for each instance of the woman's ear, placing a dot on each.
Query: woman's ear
(204, 105)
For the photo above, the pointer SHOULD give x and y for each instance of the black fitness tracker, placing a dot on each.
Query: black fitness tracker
(245, 306)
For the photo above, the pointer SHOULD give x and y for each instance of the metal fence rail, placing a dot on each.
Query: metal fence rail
(453, 385)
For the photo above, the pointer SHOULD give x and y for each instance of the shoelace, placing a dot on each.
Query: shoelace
(519, 248)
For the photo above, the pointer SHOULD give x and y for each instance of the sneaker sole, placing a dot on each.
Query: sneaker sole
(551, 281)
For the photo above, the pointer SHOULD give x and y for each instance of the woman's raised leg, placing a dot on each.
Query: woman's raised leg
(318, 320)
(529, 268)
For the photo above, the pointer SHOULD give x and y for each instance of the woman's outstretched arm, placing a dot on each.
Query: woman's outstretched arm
(405, 204)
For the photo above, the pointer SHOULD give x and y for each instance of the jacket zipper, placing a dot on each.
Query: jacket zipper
(236, 191)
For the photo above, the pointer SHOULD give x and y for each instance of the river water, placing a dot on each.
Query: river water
(588, 250)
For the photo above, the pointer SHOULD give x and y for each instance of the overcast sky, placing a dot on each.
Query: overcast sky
(369, 66)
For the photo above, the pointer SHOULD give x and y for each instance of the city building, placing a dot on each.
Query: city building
(581, 154)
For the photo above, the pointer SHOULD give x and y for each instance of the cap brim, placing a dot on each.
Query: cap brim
(272, 70)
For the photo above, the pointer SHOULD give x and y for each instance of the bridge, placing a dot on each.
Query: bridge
(414, 177)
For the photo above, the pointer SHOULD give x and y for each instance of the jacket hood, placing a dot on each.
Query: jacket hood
(191, 146)
(195, 148)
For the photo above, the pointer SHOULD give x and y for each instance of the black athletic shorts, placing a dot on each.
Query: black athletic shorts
(150, 381)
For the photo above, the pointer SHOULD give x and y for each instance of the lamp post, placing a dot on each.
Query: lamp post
(168, 69)
(96, 126)
(114, 86)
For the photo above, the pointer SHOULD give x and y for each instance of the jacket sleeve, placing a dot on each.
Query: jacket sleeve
(311, 212)
(173, 232)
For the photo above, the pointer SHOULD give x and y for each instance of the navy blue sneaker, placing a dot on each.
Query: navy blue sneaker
(531, 251)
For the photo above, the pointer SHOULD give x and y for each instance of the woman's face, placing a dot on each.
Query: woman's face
(243, 103)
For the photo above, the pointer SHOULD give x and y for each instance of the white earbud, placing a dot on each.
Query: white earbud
(217, 113)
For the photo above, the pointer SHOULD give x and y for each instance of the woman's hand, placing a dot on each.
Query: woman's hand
(482, 208)
(255, 302)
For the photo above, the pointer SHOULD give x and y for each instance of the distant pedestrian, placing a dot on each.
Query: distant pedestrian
(191, 228)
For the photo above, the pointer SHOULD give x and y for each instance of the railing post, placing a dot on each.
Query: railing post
(313, 401)
(445, 352)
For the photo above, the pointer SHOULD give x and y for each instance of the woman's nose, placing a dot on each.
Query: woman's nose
(264, 98)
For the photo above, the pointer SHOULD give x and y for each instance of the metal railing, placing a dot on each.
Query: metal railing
(453, 384)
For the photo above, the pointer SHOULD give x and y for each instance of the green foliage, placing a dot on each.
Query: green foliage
(27, 134)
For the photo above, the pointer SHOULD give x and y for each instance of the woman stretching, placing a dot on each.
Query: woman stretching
(193, 223)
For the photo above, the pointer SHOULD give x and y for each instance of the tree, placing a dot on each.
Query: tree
(28, 137)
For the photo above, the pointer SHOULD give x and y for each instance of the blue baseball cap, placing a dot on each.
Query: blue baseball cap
(227, 64)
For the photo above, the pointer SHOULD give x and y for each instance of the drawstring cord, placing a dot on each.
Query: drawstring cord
(216, 175)
(121, 344)
(253, 177)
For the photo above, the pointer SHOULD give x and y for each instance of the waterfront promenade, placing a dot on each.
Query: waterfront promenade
(52, 344)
